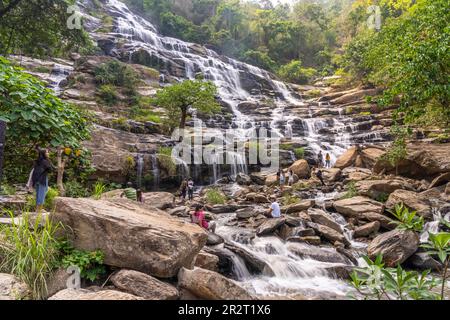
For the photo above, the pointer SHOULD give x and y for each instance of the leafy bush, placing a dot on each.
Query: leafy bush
(75, 189)
(29, 251)
(377, 282)
(49, 203)
(397, 151)
(7, 189)
(116, 73)
(108, 94)
(299, 153)
(407, 220)
(294, 72)
(215, 196)
(382, 197)
(260, 59)
(289, 199)
(351, 190)
(90, 263)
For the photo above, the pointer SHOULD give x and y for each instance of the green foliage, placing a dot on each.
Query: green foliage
(299, 153)
(7, 189)
(99, 189)
(39, 28)
(29, 251)
(90, 263)
(351, 190)
(289, 199)
(49, 203)
(178, 98)
(397, 151)
(35, 117)
(166, 161)
(116, 73)
(75, 189)
(296, 73)
(215, 196)
(382, 197)
(108, 94)
(377, 282)
(260, 59)
(407, 220)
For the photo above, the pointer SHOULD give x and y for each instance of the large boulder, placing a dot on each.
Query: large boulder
(214, 239)
(370, 156)
(269, 226)
(243, 179)
(367, 229)
(355, 96)
(412, 200)
(324, 218)
(207, 261)
(326, 232)
(317, 253)
(396, 246)
(11, 288)
(131, 235)
(297, 207)
(160, 200)
(332, 174)
(301, 169)
(374, 188)
(211, 285)
(143, 285)
(363, 208)
(83, 294)
(347, 158)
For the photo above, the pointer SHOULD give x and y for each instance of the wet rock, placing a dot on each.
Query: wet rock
(423, 261)
(396, 246)
(253, 263)
(347, 159)
(143, 285)
(324, 218)
(412, 200)
(284, 231)
(224, 208)
(327, 232)
(210, 285)
(243, 179)
(294, 222)
(130, 234)
(298, 207)
(301, 169)
(207, 261)
(83, 294)
(269, 226)
(318, 253)
(339, 272)
(312, 240)
(160, 200)
(244, 237)
(367, 229)
(11, 288)
(258, 178)
(246, 213)
(363, 208)
(214, 239)
(304, 232)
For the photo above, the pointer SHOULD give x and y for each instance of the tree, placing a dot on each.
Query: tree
(397, 151)
(178, 98)
(35, 117)
(294, 72)
(38, 28)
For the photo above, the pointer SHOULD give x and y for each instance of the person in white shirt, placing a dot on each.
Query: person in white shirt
(274, 211)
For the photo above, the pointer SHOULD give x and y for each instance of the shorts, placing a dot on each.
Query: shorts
(41, 192)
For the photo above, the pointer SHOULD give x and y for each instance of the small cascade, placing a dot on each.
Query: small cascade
(139, 169)
(57, 76)
(155, 171)
(433, 227)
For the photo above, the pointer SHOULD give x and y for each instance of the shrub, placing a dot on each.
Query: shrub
(99, 189)
(289, 199)
(50, 199)
(351, 190)
(108, 94)
(74, 189)
(29, 251)
(215, 196)
(299, 153)
(407, 220)
(382, 197)
(294, 72)
(7, 189)
(117, 73)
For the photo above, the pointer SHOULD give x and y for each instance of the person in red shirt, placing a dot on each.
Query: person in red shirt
(198, 217)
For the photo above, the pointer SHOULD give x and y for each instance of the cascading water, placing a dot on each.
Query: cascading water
(59, 73)
(139, 169)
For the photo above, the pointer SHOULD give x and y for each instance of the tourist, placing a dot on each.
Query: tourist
(274, 211)
(319, 175)
(281, 179)
(183, 189)
(291, 178)
(139, 196)
(328, 161)
(191, 189)
(130, 192)
(198, 217)
(320, 161)
(42, 167)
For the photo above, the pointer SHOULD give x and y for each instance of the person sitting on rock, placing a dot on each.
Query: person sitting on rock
(198, 217)
(274, 210)
(319, 174)
(130, 192)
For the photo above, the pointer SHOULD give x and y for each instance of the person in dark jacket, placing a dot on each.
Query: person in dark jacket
(42, 167)
(319, 175)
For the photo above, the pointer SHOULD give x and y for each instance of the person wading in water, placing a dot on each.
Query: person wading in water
(42, 167)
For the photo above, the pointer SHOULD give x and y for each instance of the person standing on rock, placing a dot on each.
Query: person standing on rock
(183, 189)
(130, 192)
(328, 160)
(319, 174)
(198, 217)
(320, 161)
(42, 167)
(274, 210)
(291, 178)
(281, 179)
(190, 187)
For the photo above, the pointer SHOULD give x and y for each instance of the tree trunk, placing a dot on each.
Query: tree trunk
(183, 118)
(60, 172)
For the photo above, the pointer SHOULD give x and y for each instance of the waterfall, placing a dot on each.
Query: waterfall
(57, 76)
(155, 171)
(139, 168)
